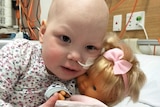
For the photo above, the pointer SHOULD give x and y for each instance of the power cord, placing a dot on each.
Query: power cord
(146, 35)
(145, 32)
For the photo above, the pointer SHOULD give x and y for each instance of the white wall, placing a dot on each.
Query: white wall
(45, 4)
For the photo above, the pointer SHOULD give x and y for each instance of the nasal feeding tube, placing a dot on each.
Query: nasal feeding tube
(87, 64)
(89, 61)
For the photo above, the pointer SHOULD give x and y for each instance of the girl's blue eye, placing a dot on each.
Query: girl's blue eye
(65, 39)
(90, 47)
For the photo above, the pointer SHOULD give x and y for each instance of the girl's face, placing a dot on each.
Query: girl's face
(68, 38)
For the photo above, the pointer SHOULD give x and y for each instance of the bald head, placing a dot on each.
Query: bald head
(75, 29)
(87, 9)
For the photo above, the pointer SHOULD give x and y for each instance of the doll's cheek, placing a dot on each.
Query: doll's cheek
(81, 78)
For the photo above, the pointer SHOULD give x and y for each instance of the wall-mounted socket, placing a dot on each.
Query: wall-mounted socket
(136, 19)
(117, 22)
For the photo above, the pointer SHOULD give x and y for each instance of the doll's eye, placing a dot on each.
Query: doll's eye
(94, 88)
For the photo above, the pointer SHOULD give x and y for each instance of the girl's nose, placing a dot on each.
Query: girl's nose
(74, 55)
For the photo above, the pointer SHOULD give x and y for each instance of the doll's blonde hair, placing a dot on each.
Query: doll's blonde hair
(113, 88)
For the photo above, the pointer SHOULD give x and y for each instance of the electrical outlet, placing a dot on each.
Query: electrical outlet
(136, 19)
(117, 22)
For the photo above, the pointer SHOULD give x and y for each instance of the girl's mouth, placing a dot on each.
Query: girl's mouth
(68, 69)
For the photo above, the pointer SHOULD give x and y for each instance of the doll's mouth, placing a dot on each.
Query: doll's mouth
(81, 91)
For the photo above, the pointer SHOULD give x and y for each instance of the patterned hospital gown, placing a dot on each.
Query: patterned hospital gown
(23, 75)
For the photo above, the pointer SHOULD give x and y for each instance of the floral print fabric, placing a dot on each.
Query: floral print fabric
(23, 75)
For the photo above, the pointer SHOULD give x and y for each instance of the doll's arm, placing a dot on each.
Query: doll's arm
(57, 87)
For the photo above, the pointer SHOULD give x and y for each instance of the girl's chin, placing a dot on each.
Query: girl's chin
(64, 77)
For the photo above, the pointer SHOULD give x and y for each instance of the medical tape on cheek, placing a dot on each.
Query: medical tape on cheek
(89, 61)
(87, 64)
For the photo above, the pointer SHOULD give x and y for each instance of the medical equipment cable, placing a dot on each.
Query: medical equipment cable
(146, 35)
(124, 29)
(116, 6)
(27, 11)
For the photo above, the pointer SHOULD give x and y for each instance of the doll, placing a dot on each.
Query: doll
(114, 75)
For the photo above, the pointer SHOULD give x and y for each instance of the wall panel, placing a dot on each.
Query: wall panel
(152, 17)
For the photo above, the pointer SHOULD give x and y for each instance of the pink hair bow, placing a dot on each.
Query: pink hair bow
(121, 66)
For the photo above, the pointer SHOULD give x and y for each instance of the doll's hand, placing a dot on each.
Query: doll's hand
(62, 95)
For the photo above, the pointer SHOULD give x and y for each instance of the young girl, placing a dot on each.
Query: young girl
(114, 75)
(26, 69)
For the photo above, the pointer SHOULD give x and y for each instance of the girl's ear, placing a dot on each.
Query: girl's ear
(42, 31)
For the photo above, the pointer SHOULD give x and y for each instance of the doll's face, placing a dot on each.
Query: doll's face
(91, 86)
